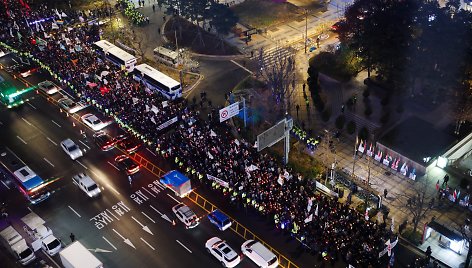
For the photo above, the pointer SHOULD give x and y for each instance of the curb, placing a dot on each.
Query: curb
(220, 57)
(188, 90)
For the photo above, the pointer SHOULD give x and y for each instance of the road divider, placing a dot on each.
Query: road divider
(113, 246)
(184, 246)
(75, 212)
(22, 140)
(53, 142)
(147, 243)
(126, 240)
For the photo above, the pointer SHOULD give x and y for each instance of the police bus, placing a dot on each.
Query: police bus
(166, 56)
(28, 182)
(157, 81)
(115, 54)
(102, 46)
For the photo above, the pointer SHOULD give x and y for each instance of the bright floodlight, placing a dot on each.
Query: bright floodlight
(442, 162)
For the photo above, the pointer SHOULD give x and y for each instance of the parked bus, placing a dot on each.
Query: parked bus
(166, 56)
(28, 182)
(102, 46)
(12, 96)
(121, 58)
(157, 81)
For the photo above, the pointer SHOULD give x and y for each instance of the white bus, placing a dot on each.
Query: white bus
(155, 80)
(102, 46)
(121, 58)
(166, 56)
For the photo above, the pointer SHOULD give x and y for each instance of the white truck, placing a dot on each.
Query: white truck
(86, 184)
(40, 235)
(16, 244)
(77, 256)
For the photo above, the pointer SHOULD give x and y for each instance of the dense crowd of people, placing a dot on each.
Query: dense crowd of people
(203, 149)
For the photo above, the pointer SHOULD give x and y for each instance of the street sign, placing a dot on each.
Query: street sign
(271, 136)
(229, 111)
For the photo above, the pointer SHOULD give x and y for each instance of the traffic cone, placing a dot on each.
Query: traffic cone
(173, 222)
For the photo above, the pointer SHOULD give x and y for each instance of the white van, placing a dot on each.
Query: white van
(259, 254)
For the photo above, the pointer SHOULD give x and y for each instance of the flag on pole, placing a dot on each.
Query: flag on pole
(367, 214)
(15, 25)
(41, 26)
(309, 218)
(458, 194)
(11, 33)
(454, 194)
(316, 210)
(37, 27)
(437, 186)
(392, 226)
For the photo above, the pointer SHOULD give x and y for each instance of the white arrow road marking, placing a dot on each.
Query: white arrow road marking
(147, 243)
(75, 212)
(53, 142)
(126, 240)
(148, 217)
(26, 121)
(113, 166)
(31, 105)
(22, 140)
(164, 216)
(55, 123)
(183, 246)
(145, 228)
(174, 199)
(151, 152)
(99, 250)
(47, 161)
(114, 190)
(5, 185)
(84, 144)
(113, 246)
(80, 163)
(160, 186)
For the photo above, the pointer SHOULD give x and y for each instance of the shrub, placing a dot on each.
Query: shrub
(340, 121)
(364, 133)
(326, 115)
(366, 93)
(351, 127)
(368, 111)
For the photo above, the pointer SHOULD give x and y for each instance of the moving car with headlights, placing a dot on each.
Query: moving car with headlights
(129, 144)
(86, 184)
(259, 254)
(104, 141)
(125, 163)
(71, 149)
(186, 215)
(223, 252)
(71, 106)
(25, 70)
(219, 219)
(93, 122)
(48, 87)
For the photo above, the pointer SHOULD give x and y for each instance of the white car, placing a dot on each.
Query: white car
(186, 215)
(259, 254)
(71, 149)
(48, 87)
(71, 106)
(223, 252)
(93, 122)
(51, 245)
(86, 184)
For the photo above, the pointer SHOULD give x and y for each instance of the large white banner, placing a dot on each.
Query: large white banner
(168, 123)
(217, 180)
(229, 111)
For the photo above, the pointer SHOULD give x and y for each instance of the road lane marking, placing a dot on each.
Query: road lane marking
(31, 105)
(160, 186)
(155, 209)
(183, 246)
(26, 121)
(30, 209)
(109, 243)
(174, 199)
(5, 185)
(1, 123)
(114, 190)
(53, 142)
(47, 161)
(148, 217)
(164, 216)
(84, 144)
(113, 166)
(80, 163)
(244, 68)
(151, 152)
(94, 173)
(55, 123)
(75, 212)
(149, 192)
(145, 228)
(147, 243)
(112, 214)
(22, 140)
(126, 240)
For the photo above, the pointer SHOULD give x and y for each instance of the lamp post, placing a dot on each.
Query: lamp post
(306, 27)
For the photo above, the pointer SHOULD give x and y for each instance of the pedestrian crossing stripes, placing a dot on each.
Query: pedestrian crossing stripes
(272, 55)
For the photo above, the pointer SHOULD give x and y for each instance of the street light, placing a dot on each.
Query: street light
(306, 27)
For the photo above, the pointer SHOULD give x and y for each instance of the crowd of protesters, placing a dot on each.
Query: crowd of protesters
(204, 150)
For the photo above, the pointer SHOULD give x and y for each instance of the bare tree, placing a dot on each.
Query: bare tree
(463, 112)
(277, 70)
(418, 201)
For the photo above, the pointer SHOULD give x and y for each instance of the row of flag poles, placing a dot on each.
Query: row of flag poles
(389, 161)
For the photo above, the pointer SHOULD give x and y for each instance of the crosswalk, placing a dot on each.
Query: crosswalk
(272, 55)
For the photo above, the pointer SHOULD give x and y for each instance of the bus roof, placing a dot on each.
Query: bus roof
(155, 74)
(104, 45)
(28, 178)
(121, 54)
(166, 52)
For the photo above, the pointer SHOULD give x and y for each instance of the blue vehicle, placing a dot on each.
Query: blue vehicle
(220, 220)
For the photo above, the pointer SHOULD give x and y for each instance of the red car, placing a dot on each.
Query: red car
(129, 144)
(104, 141)
(27, 70)
(125, 163)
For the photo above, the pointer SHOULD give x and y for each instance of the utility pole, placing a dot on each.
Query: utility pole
(355, 156)
(306, 27)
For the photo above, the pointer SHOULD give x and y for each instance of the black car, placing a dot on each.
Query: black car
(25, 70)
(129, 144)
(104, 141)
(125, 163)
